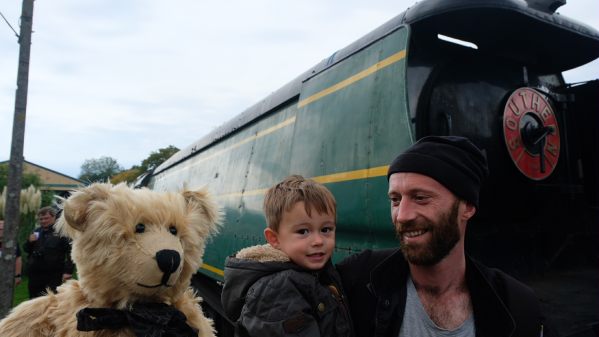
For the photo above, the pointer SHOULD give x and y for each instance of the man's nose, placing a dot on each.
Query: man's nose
(404, 212)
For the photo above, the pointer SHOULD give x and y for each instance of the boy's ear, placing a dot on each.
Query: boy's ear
(271, 237)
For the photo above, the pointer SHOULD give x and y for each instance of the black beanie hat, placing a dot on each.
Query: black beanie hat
(453, 161)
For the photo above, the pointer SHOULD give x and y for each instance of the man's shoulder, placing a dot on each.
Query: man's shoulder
(504, 283)
(516, 297)
(357, 268)
(367, 257)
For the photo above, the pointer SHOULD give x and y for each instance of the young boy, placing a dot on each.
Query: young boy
(289, 286)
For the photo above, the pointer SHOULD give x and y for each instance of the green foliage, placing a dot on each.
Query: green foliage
(26, 227)
(99, 170)
(105, 168)
(26, 180)
(127, 176)
(158, 157)
(48, 198)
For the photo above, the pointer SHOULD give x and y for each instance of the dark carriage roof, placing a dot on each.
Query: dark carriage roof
(555, 37)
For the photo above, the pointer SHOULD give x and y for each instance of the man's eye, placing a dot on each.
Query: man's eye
(395, 200)
(420, 197)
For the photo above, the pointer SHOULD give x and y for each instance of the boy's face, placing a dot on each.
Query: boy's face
(307, 240)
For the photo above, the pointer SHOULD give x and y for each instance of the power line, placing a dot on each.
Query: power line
(8, 23)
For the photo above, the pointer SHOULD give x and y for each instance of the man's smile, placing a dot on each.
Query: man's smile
(414, 233)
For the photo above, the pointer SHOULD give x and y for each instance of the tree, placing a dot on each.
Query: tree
(27, 180)
(99, 170)
(158, 157)
(127, 176)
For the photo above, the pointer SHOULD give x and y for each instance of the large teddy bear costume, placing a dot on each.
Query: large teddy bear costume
(135, 252)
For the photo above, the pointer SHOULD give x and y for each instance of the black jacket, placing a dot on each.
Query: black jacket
(266, 295)
(375, 283)
(50, 253)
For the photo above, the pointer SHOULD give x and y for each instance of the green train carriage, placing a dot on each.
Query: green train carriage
(342, 121)
(319, 134)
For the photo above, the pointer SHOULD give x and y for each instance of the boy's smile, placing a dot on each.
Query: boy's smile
(308, 240)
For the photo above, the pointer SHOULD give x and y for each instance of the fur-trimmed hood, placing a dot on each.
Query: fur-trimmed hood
(246, 267)
(262, 253)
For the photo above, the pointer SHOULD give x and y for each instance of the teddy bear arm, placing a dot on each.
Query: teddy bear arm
(189, 305)
(29, 319)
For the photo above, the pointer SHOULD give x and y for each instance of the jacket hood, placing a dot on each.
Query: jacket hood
(262, 253)
(243, 269)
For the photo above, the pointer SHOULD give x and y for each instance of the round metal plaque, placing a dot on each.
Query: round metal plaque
(531, 133)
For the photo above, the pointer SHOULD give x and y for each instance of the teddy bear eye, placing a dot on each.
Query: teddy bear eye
(173, 230)
(140, 228)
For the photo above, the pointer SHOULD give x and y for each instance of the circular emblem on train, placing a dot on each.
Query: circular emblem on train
(531, 133)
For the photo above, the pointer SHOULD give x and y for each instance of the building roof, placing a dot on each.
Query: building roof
(51, 180)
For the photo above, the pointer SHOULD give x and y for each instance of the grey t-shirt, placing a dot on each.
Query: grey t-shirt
(417, 323)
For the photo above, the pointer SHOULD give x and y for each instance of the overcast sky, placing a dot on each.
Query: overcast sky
(125, 78)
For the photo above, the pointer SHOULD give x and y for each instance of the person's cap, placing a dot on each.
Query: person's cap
(453, 161)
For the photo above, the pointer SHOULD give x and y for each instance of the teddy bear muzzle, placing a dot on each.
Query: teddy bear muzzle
(168, 261)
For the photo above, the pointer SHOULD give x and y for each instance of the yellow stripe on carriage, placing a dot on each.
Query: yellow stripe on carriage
(353, 175)
(258, 134)
(255, 136)
(352, 79)
(371, 172)
(213, 269)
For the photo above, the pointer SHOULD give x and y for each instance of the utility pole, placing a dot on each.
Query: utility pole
(15, 168)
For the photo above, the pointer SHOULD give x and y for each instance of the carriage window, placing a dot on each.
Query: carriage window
(457, 41)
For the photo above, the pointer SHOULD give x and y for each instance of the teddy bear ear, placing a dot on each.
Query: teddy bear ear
(202, 207)
(76, 207)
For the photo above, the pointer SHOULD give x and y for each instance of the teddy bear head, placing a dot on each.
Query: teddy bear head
(132, 245)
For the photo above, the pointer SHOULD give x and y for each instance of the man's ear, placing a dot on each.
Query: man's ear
(271, 237)
(468, 210)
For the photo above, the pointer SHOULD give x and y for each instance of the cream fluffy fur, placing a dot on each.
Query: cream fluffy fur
(112, 259)
(262, 253)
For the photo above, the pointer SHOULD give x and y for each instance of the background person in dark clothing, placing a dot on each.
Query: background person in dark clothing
(49, 261)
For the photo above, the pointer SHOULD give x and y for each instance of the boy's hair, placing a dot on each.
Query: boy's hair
(293, 189)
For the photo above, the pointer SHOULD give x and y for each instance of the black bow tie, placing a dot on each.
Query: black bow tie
(145, 319)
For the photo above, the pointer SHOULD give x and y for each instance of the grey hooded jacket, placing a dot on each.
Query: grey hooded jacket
(268, 295)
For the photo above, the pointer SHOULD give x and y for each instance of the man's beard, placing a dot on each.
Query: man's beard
(444, 234)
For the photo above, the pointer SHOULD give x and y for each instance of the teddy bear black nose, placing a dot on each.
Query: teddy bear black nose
(168, 260)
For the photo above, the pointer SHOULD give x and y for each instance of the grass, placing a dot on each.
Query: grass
(21, 293)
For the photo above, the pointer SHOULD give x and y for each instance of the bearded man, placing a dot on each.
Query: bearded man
(429, 286)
